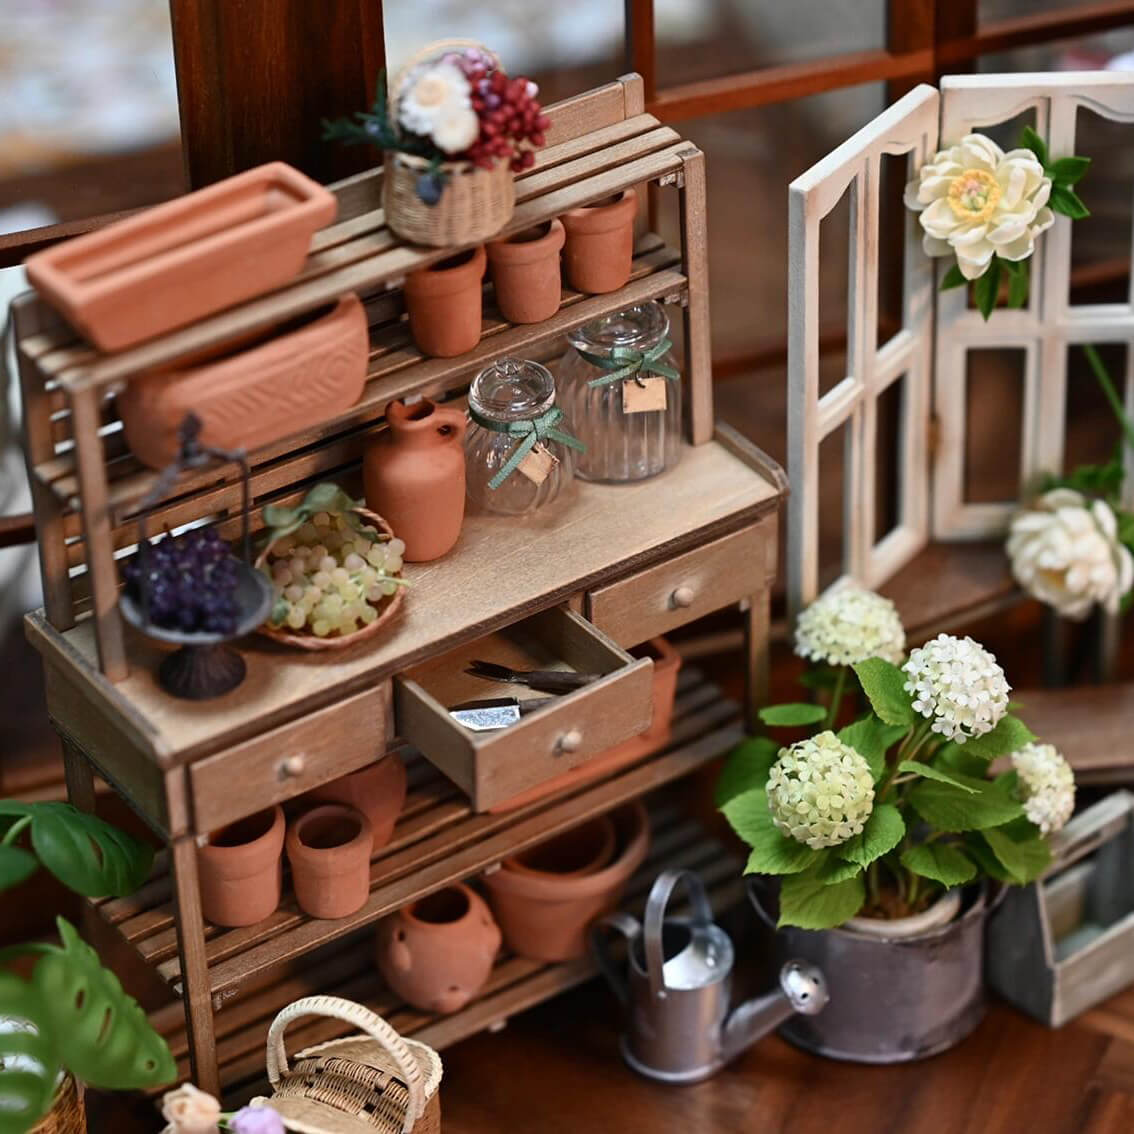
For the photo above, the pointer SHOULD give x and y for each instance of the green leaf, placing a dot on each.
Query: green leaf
(818, 677)
(945, 864)
(1065, 200)
(746, 767)
(872, 739)
(16, 864)
(1010, 735)
(881, 833)
(927, 771)
(954, 277)
(1019, 284)
(807, 901)
(28, 1062)
(987, 288)
(832, 870)
(981, 853)
(1023, 853)
(102, 1035)
(1069, 170)
(950, 808)
(885, 686)
(954, 757)
(772, 851)
(793, 715)
(1029, 139)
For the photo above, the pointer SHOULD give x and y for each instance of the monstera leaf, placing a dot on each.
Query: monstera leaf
(93, 858)
(29, 1066)
(102, 1036)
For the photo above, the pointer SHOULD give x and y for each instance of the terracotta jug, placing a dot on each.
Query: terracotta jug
(413, 474)
(378, 791)
(525, 273)
(444, 304)
(437, 953)
(240, 869)
(329, 852)
(599, 252)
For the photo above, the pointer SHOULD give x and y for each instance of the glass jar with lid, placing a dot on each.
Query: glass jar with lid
(520, 451)
(620, 385)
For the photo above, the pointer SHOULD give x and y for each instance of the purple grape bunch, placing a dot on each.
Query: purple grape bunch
(191, 580)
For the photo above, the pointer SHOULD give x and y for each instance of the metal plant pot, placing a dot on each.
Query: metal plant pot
(892, 1000)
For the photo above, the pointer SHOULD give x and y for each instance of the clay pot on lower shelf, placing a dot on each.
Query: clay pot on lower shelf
(329, 852)
(240, 869)
(525, 272)
(544, 914)
(378, 791)
(437, 953)
(575, 853)
(444, 304)
(599, 251)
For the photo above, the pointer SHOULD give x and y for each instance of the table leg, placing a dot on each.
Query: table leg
(194, 966)
(756, 634)
(79, 775)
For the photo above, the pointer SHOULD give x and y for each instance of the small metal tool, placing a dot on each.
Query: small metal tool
(542, 680)
(491, 713)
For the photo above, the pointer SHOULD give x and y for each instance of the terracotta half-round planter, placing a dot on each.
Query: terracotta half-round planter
(525, 272)
(378, 791)
(444, 304)
(573, 854)
(329, 852)
(599, 250)
(240, 869)
(545, 916)
(437, 953)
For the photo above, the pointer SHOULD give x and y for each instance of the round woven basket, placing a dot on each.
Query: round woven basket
(68, 1115)
(387, 608)
(475, 203)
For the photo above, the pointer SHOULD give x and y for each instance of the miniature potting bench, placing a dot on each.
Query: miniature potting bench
(614, 567)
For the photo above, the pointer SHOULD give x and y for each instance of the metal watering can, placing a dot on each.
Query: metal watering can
(680, 977)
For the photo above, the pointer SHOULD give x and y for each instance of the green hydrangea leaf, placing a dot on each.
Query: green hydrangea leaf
(872, 739)
(1069, 170)
(953, 757)
(27, 1088)
(746, 767)
(981, 853)
(927, 771)
(832, 870)
(945, 864)
(772, 851)
(952, 808)
(885, 687)
(810, 903)
(954, 277)
(1023, 853)
(793, 715)
(1010, 735)
(16, 864)
(881, 833)
(987, 288)
(818, 677)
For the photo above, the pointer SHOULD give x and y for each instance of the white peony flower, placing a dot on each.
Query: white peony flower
(455, 130)
(958, 686)
(820, 791)
(977, 201)
(1065, 552)
(849, 625)
(431, 92)
(1047, 786)
(189, 1110)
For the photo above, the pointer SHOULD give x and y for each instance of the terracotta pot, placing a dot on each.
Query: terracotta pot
(600, 243)
(525, 273)
(256, 395)
(545, 916)
(329, 852)
(413, 474)
(437, 953)
(444, 304)
(240, 869)
(378, 791)
(573, 854)
(667, 665)
(178, 262)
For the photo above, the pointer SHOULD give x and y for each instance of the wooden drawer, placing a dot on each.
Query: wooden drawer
(661, 598)
(494, 766)
(291, 759)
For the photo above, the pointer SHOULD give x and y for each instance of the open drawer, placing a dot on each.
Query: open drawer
(494, 766)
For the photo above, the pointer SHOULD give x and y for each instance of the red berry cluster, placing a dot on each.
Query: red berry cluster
(512, 122)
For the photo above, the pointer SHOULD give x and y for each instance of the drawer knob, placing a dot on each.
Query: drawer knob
(683, 597)
(570, 741)
(292, 766)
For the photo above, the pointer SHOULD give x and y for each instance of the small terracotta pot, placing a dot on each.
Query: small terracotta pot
(525, 272)
(240, 870)
(667, 665)
(378, 791)
(437, 953)
(413, 474)
(600, 243)
(329, 852)
(545, 916)
(573, 854)
(444, 304)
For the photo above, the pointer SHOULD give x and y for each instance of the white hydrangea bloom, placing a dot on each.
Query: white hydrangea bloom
(455, 130)
(1065, 552)
(433, 91)
(1047, 786)
(820, 791)
(957, 685)
(850, 625)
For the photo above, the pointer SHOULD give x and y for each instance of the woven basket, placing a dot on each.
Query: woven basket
(387, 608)
(68, 1115)
(475, 203)
(374, 1082)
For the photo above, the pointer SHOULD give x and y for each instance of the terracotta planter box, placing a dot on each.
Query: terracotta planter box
(191, 257)
(304, 372)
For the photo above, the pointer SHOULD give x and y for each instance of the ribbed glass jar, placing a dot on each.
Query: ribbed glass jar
(513, 390)
(621, 446)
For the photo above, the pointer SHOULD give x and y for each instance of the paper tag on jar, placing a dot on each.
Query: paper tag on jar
(643, 395)
(537, 465)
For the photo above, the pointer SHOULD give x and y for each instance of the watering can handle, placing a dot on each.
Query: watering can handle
(630, 929)
(656, 905)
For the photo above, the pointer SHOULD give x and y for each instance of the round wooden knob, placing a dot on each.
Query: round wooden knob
(570, 741)
(293, 765)
(683, 596)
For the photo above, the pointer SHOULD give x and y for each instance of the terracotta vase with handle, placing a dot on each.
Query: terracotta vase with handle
(413, 475)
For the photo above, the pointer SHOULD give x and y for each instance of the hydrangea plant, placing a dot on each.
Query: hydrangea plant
(882, 816)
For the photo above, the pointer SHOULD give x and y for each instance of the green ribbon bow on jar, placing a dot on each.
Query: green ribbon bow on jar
(530, 431)
(626, 362)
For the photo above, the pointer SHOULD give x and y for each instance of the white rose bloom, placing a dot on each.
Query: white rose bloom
(958, 685)
(1065, 552)
(850, 625)
(455, 130)
(430, 92)
(189, 1110)
(977, 201)
(1047, 786)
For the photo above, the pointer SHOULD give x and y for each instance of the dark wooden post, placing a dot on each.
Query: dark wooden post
(255, 78)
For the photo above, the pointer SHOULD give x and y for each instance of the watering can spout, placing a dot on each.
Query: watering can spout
(802, 990)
